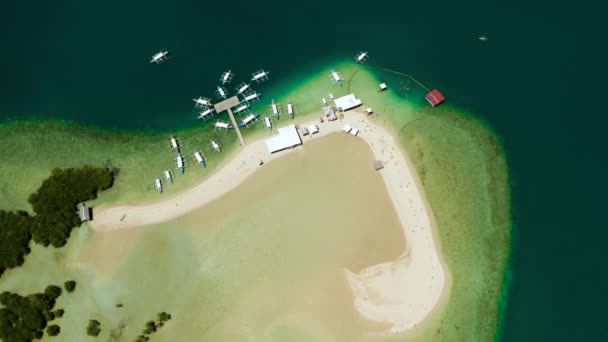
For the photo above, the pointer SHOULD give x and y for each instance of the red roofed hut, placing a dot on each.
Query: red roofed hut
(435, 97)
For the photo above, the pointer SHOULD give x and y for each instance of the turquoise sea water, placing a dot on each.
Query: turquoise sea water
(537, 81)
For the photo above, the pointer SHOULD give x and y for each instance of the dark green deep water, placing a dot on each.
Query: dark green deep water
(537, 82)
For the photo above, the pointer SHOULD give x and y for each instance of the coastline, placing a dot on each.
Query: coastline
(402, 292)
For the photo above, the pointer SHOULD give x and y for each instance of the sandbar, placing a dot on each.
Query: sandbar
(401, 292)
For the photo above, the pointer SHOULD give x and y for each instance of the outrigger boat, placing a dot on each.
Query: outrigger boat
(206, 114)
(242, 88)
(215, 146)
(221, 92)
(174, 144)
(159, 185)
(361, 57)
(202, 102)
(168, 176)
(275, 109)
(246, 121)
(260, 76)
(179, 163)
(483, 38)
(290, 110)
(336, 77)
(241, 108)
(253, 97)
(226, 77)
(159, 57)
(199, 158)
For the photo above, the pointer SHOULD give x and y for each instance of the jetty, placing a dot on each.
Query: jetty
(226, 105)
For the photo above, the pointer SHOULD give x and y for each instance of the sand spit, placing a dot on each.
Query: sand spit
(401, 292)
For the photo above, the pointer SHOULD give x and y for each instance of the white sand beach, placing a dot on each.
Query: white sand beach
(401, 292)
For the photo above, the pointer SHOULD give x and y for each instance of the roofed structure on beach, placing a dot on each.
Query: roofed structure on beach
(435, 97)
(84, 212)
(347, 102)
(288, 137)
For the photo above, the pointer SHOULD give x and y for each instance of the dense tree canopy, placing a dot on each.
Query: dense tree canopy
(55, 216)
(24, 318)
(69, 285)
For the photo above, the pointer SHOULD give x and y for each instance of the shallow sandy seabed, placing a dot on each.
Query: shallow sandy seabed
(401, 292)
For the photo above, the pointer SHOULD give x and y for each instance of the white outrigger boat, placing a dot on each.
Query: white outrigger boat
(242, 88)
(201, 102)
(221, 92)
(168, 176)
(483, 38)
(275, 109)
(361, 57)
(226, 77)
(159, 57)
(290, 109)
(253, 97)
(199, 158)
(260, 76)
(206, 114)
(215, 146)
(336, 77)
(174, 143)
(179, 163)
(241, 108)
(158, 185)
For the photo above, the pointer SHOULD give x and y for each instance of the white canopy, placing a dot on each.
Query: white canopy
(347, 128)
(312, 128)
(347, 102)
(354, 131)
(288, 137)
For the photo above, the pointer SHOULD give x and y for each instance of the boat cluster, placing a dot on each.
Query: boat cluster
(247, 96)
(179, 163)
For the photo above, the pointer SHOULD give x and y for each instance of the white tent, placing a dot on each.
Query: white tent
(288, 137)
(347, 102)
(312, 128)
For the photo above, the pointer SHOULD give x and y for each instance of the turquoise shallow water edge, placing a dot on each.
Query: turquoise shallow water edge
(531, 82)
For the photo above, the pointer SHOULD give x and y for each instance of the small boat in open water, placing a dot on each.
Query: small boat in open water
(159, 57)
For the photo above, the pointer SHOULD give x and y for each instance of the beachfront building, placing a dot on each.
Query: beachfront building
(288, 137)
(347, 102)
(435, 97)
(84, 212)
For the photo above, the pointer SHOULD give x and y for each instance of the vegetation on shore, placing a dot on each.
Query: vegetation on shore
(54, 205)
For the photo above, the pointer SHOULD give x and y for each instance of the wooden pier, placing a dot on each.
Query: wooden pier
(226, 105)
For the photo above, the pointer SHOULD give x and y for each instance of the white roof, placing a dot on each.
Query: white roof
(248, 118)
(288, 137)
(347, 128)
(347, 102)
(354, 131)
(267, 120)
(312, 128)
(221, 124)
(198, 156)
